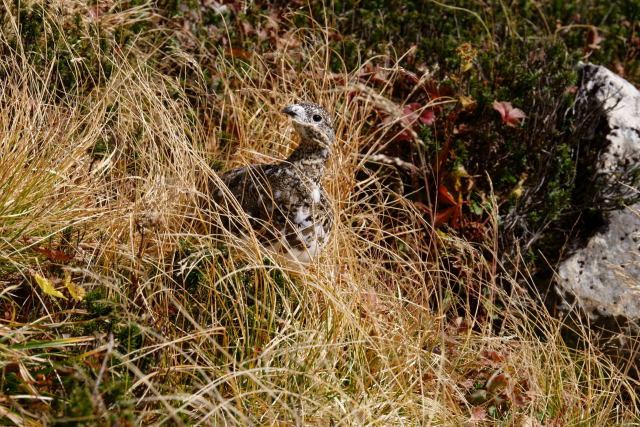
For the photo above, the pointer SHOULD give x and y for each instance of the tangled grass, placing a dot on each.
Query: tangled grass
(180, 327)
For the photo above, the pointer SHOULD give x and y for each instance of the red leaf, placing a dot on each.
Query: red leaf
(434, 91)
(352, 95)
(53, 255)
(422, 207)
(428, 117)
(262, 34)
(497, 381)
(273, 22)
(409, 116)
(236, 52)
(381, 76)
(519, 399)
(444, 216)
(478, 413)
(457, 213)
(493, 355)
(411, 107)
(593, 40)
(403, 136)
(510, 115)
(246, 28)
(445, 196)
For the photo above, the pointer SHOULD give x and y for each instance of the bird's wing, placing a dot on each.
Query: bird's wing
(251, 189)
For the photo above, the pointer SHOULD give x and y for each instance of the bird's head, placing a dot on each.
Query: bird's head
(312, 122)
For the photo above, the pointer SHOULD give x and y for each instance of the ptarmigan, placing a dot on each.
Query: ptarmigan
(285, 203)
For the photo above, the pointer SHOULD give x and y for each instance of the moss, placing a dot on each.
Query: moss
(11, 382)
(129, 338)
(80, 52)
(78, 409)
(279, 279)
(114, 394)
(82, 408)
(97, 303)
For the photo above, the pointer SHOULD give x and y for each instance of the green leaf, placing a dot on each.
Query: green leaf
(51, 343)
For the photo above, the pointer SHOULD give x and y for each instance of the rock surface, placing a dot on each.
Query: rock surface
(604, 275)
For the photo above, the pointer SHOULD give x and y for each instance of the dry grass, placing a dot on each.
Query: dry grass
(196, 329)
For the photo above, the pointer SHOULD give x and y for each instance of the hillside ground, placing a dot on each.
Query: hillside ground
(454, 178)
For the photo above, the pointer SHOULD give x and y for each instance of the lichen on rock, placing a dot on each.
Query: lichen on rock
(604, 274)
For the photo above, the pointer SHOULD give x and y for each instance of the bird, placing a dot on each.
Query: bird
(286, 203)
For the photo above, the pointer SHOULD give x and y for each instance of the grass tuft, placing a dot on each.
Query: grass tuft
(103, 161)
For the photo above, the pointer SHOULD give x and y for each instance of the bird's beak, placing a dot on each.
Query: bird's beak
(290, 110)
(296, 111)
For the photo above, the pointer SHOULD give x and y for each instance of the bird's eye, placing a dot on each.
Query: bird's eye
(317, 118)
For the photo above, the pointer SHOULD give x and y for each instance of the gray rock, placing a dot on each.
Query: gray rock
(604, 275)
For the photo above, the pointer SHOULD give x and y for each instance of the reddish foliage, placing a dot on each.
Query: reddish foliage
(246, 28)
(493, 356)
(478, 413)
(53, 255)
(424, 116)
(453, 212)
(235, 52)
(510, 115)
(445, 197)
(593, 40)
(434, 91)
(443, 217)
(497, 382)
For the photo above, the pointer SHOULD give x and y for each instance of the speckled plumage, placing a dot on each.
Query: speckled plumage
(285, 202)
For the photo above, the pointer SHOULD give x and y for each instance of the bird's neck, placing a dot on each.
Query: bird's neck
(311, 158)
